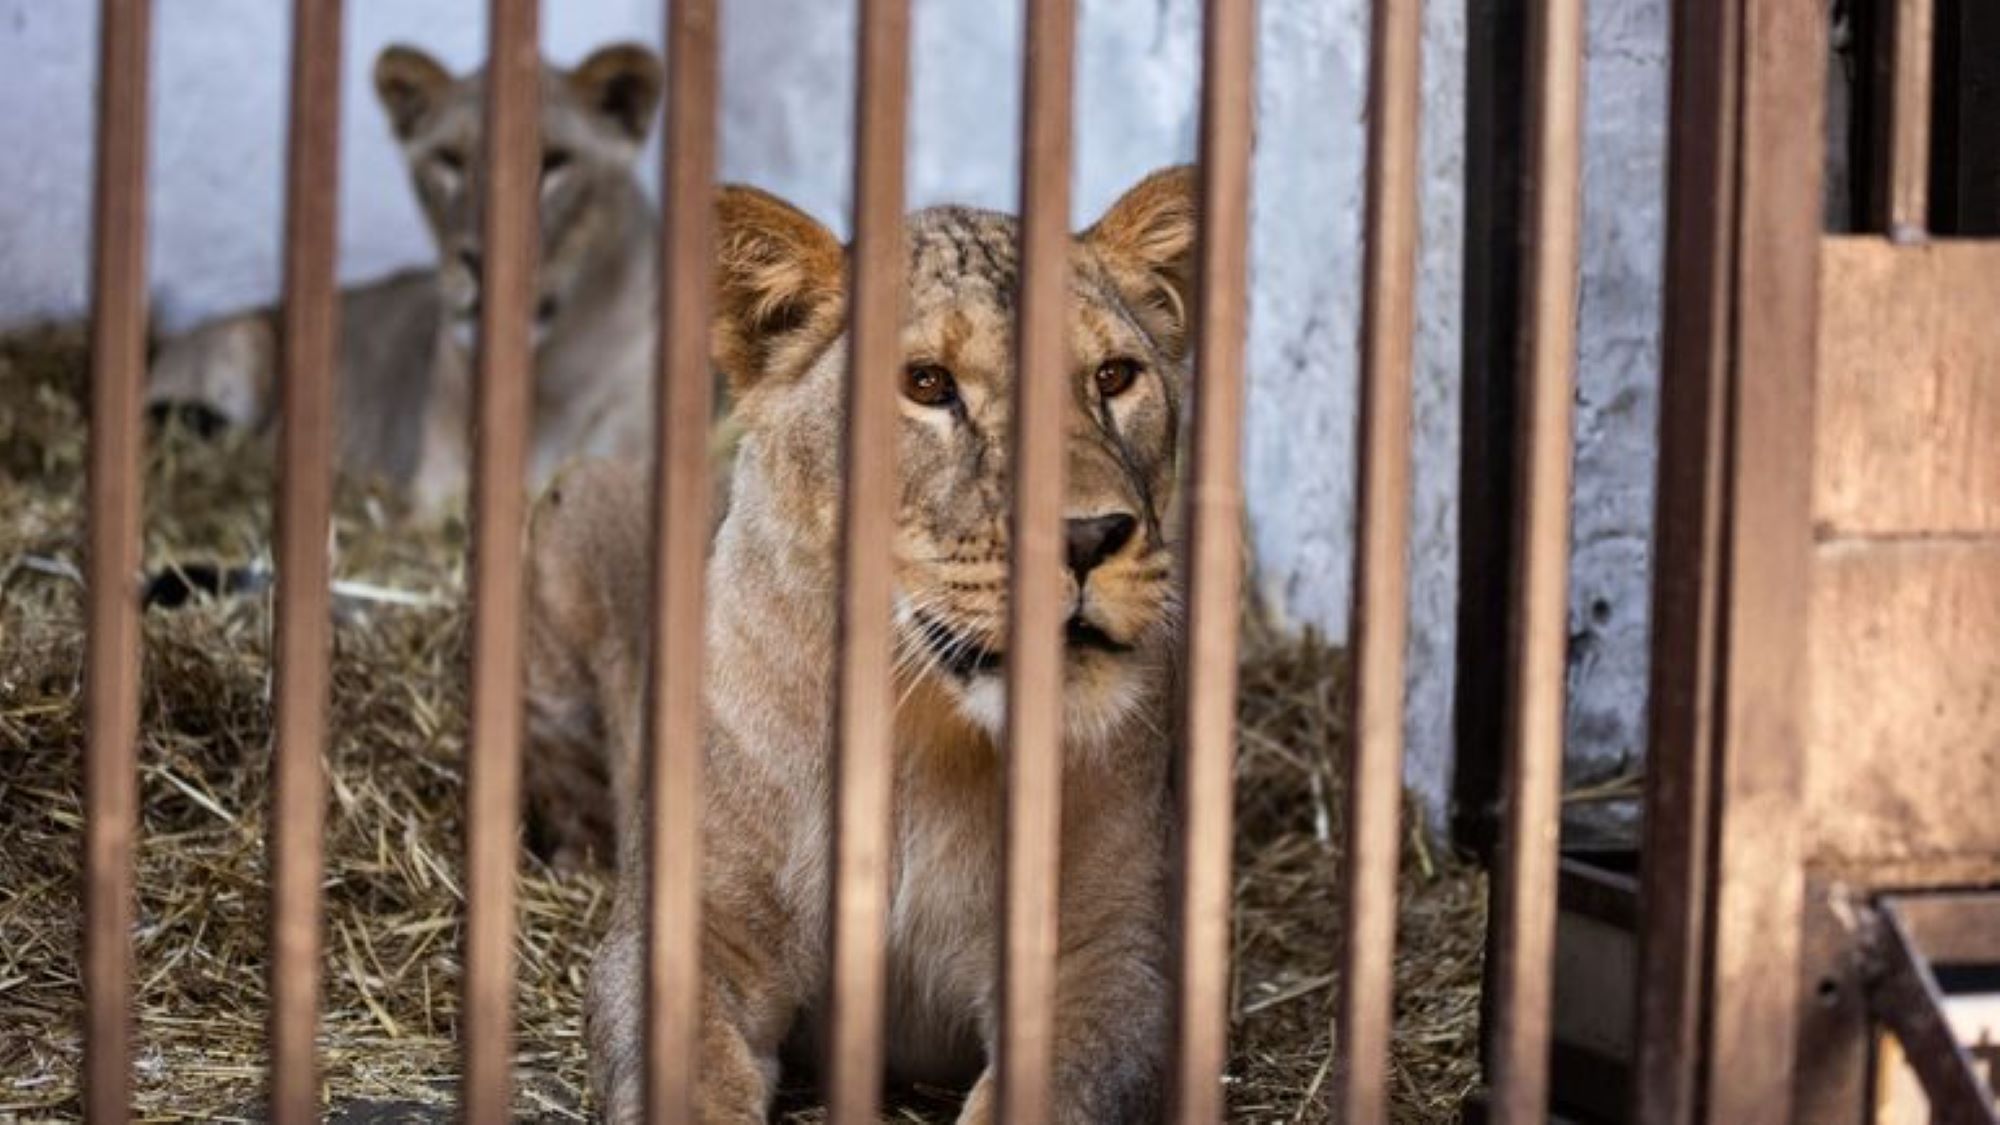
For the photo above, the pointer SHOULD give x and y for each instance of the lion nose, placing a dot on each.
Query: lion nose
(1093, 539)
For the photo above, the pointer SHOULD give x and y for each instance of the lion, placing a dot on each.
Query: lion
(404, 399)
(780, 339)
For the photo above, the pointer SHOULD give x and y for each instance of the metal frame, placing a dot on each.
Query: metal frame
(1899, 941)
(1726, 850)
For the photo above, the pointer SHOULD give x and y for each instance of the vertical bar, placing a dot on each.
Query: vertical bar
(310, 336)
(1752, 1009)
(111, 683)
(680, 534)
(1697, 318)
(493, 771)
(1215, 513)
(1965, 151)
(1526, 911)
(863, 702)
(1381, 586)
(1911, 34)
(1042, 386)
(1495, 118)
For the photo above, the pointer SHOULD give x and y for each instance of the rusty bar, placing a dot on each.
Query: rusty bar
(1912, 29)
(1381, 591)
(1526, 910)
(863, 701)
(1214, 562)
(1751, 1008)
(310, 336)
(1951, 927)
(493, 745)
(1674, 856)
(111, 679)
(1903, 993)
(1036, 598)
(685, 400)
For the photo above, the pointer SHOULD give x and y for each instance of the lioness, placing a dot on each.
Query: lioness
(405, 365)
(780, 339)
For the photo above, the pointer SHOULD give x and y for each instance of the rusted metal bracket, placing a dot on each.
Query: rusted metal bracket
(1904, 996)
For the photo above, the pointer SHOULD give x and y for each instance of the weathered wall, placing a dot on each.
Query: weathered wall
(220, 73)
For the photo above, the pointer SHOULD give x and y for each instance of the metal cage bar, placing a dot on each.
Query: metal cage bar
(681, 517)
(1381, 581)
(1526, 908)
(1036, 593)
(863, 698)
(1674, 873)
(1911, 50)
(310, 338)
(1214, 565)
(111, 677)
(505, 382)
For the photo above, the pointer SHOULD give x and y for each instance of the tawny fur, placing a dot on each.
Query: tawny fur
(772, 581)
(405, 367)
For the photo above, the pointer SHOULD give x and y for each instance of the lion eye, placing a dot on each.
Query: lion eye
(1116, 376)
(927, 384)
(553, 161)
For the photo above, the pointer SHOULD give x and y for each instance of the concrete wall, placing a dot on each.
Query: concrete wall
(220, 74)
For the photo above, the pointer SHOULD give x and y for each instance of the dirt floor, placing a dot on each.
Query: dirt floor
(393, 899)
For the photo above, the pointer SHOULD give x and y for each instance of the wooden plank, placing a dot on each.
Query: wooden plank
(1907, 404)
(1904, 701)
(1381, 586)
(863, 701)
(1525, 912)
(310, 339)
(1038, 594)
(682, 495)
(505, 386)
(1757, 895)
(1215, 566)
(115, 490)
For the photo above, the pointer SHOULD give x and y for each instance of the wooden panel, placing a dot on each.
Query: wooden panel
(1904, 701)
(1907, 416)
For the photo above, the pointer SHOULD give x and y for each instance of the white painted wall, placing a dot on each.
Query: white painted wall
(220, 73)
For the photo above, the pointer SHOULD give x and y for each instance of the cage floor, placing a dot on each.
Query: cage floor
(393, 900)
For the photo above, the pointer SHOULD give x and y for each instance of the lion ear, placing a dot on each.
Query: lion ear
(1147, 241)
(621, 83)
(777, 286)
(410, 84)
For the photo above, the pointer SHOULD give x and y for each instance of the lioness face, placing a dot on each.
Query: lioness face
(1124, 384)
(594, 121)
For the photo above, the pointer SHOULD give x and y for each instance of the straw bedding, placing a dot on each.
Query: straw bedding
(392, 890)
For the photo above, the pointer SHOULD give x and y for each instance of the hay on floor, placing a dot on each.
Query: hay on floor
(393, 892)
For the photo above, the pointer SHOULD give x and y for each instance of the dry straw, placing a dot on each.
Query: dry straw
(393, 897)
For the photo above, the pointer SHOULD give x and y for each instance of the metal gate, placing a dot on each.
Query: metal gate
(1742, 517)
